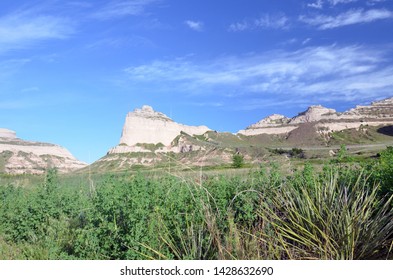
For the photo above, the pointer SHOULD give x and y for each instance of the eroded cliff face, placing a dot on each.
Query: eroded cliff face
(326, 120)
(18, 156)
(146, 126)
(150, 138)
(6, 133)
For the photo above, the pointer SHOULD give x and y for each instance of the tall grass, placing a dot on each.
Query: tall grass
(330, 220)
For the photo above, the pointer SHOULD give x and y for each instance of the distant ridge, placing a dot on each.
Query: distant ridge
(151, 138)
(18, 156)
(378, 113)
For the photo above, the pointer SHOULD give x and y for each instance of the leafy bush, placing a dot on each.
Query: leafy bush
(383, 171)
(294, 152)
(237, 160)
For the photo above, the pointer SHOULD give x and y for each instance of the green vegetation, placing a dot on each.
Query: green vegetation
(338, 211)
(151, 147)
(294, 152)
(237, 160)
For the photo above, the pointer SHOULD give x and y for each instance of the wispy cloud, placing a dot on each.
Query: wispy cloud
(122, 8)
(240, 26)
(22, 29)
(130, 41)
(317, 5)
(375, 2)
(266, 21)
(273, 22)
(194, 25)
(335, 2)
(329, 72)
(348, 18)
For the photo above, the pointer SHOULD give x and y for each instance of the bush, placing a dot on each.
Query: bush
(384, 171)
(237, 160)
(294, 152)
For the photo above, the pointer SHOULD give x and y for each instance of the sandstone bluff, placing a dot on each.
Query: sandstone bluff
(151, 138)
(146, 126)
(326, 120)
(18, 156)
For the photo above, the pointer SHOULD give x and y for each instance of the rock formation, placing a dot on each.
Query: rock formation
(152, 139)
(326, 120)
(272, 120)
(146, 126)
(314, 114)
(6, 133)
(25, 157)
(273, 124)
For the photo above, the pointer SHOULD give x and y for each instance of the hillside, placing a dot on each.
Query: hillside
(18, 156)
(151, 139)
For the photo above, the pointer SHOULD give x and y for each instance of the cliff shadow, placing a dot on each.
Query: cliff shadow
(386, 130)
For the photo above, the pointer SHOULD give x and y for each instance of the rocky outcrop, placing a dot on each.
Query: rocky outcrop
(18, 156)
(377, 110)
(6, 133)
(273, 124)
(146, 126)
(326, 120)
(314, 114)
(272, 120)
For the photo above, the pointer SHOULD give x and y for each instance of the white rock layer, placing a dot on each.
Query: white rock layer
(147, 126)
(34, 157)
(6, 133)
(376, 114)
(315, 113)
(268, 130)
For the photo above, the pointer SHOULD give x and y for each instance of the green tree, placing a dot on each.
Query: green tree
(237, 160)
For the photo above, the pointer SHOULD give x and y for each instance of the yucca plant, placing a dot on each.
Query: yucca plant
(330, 220)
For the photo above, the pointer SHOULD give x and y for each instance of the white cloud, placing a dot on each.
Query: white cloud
(317, 5)
(335, 2)
(271, 22)
(20, 30)
(265, 21)
(348, 18)
(375, 2)
(239, 26)
(194, 25)
(341, 73)
(306, 41)
(122, 8)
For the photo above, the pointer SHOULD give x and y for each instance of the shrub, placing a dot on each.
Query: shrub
(294, 152)
(237, 160)
(384, 171)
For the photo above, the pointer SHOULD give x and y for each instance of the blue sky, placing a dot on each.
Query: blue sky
(71, 70)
